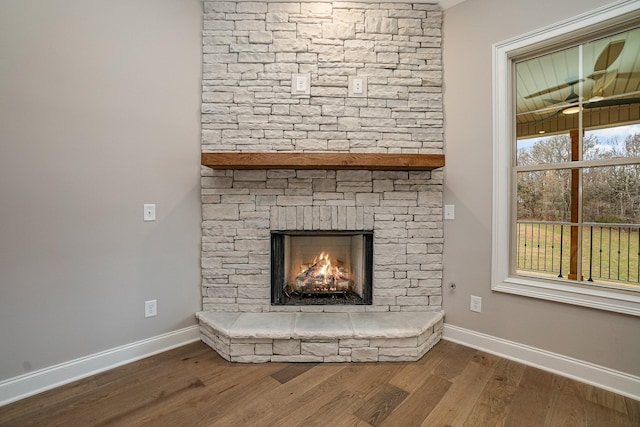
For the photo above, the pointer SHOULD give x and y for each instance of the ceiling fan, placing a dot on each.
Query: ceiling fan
(602, 77)
(574, 107)
(607, 57)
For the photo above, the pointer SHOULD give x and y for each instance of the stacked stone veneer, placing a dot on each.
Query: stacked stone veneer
(251, 50)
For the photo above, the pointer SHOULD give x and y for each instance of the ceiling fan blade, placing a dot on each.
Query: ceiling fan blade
(612, 102)
(623, 76)
(628, 76)
(608, 56)
(552, 89)
(552, 101)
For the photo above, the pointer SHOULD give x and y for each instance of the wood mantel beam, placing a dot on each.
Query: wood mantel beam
(364, 161)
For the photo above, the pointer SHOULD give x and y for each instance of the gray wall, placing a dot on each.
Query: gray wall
(470, 29)
(99, 113)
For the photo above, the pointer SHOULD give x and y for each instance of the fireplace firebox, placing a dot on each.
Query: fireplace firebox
(321, 267)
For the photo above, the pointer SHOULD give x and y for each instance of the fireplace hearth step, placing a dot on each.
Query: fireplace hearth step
(321, 337)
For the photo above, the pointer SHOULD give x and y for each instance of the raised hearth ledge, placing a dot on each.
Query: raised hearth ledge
(282, 160)
(321, 337)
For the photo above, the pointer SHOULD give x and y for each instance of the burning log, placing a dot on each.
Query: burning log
(322, 276)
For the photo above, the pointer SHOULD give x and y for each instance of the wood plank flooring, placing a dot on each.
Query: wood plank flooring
(451, 386)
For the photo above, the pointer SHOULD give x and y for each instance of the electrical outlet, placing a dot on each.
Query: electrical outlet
(476, 304)
(149, 212)
(150, 308)
(357, 85)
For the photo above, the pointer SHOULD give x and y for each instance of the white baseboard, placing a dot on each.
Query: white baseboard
(579, 370)
(44, 379)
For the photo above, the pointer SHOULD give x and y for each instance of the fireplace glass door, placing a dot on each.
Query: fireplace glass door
(317, 268)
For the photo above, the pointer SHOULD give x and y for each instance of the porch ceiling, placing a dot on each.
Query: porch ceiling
(607, 86)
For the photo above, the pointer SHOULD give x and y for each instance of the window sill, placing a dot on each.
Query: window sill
(600, 298)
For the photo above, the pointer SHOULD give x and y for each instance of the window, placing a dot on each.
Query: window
(567, 162)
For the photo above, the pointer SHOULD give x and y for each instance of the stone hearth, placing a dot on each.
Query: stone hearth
(321, 337)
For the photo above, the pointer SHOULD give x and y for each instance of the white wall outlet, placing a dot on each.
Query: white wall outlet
(357, 85)
(150, 308)
(476, 304)
(449, 211)
(149, 212)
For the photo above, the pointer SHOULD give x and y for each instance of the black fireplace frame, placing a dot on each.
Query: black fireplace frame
(279, 297)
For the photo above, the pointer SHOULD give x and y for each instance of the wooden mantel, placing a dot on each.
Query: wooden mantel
(281, 160)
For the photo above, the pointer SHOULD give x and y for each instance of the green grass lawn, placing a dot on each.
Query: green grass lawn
(610, 254)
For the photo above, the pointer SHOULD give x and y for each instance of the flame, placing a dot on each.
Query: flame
(322, 271)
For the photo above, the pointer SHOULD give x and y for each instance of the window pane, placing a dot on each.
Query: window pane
(611, 80)
(610, 254)
(544, 195)
(612, 142)
(611, 194)
(543, 248)
(555, 91)
(541, 150)
(545, 86)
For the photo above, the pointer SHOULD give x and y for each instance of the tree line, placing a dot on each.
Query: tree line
(610, 194)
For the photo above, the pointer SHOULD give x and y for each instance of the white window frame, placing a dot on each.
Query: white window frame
(503, 277)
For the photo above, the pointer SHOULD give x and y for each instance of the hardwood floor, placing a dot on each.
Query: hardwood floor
(451, 386)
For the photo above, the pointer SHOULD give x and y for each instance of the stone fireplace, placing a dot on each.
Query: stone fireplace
(253, 54)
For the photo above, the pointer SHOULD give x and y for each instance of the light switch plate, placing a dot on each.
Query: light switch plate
(475, 304)
(301, 84)
(151, 308)
(449, 212)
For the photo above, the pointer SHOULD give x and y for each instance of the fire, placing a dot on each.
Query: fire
(322, 275)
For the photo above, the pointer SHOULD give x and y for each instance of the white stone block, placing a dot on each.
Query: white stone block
(284, 7)
(338, 30)
(309, 30)
(353, 342)
(264, 349)
(381, 25)
(250, 359)
(354, 175)
(394, 342)
(425, 336)
(409, 352)
(286, 347)
(319, 348)
(368, 199)
(221, 350)
(316, 9)
(251, 7)
(241, 349)
(217, 212)
(364, 355)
